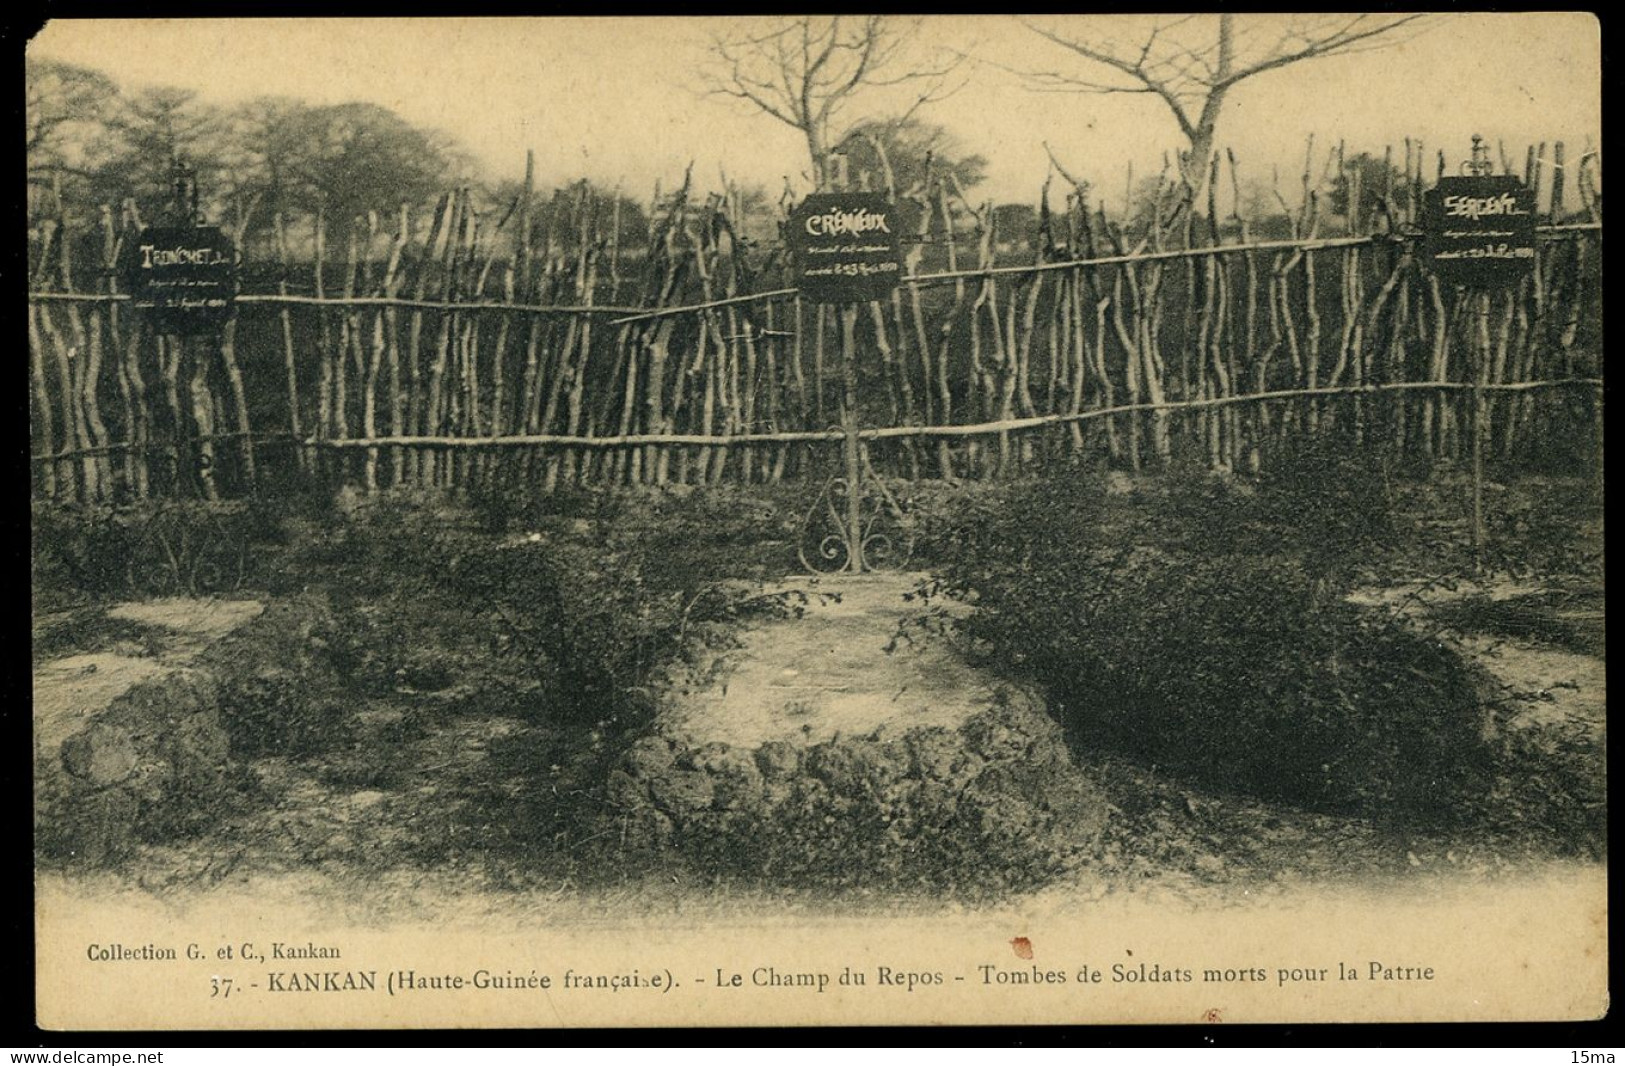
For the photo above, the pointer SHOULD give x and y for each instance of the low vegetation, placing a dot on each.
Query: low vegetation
(1206, 626)
(1194, 636)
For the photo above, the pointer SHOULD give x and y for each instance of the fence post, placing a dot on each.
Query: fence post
(849, 426)
(1481, 352)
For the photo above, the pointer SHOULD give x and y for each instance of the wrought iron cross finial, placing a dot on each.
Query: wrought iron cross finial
(183, 185)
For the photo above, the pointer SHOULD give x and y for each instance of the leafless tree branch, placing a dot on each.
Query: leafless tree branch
(805, 71)
(1192, 62)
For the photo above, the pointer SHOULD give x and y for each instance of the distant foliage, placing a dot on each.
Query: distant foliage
(89, 144)
(914, 152)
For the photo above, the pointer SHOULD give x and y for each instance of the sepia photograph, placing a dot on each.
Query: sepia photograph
(816, 520)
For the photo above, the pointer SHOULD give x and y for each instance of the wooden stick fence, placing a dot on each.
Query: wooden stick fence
(1014, 425)
(421, 353)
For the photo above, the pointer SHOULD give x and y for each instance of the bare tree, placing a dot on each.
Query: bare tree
(805, 72)
(1192, 62)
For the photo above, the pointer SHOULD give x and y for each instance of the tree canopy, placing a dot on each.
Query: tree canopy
(902, 148)
(350, 159)
(92, 144)
(142, 136)
(63, 104)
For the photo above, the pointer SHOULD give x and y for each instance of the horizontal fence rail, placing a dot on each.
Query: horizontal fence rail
(835, 435)
(639, 314)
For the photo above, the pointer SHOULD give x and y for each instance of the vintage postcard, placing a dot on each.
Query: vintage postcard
(817, 520)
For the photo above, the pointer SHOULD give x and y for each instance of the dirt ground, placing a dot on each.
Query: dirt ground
(158, 637)
(1568, 676)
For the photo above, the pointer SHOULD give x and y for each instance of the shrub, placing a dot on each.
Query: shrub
(1554, 785)
(277, 713)
(80, 551)
(281, 692)
(1204, 629)
(578, 614)
(1319, 500)
(152, 548)
(1541, 527)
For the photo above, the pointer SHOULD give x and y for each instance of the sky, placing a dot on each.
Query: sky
(619, 100)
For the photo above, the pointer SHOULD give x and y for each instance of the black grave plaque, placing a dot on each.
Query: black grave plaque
(1480, 230)
(183, 277)
(845, 247)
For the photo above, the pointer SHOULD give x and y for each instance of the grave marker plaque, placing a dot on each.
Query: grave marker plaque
(1480, 230)
(183, 277)
(845, 247)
